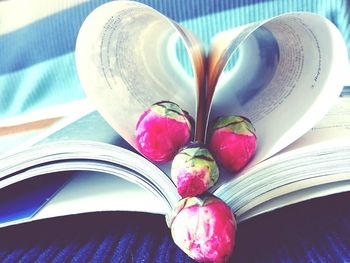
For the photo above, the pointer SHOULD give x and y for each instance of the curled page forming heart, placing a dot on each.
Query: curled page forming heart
(126, 61)
(284, 73)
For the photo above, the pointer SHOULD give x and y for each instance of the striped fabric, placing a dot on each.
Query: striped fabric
(37, 70)
(37, 40)
(314, 231)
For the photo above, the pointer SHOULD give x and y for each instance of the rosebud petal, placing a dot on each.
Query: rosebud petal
(233, 142)
(194, 170)
(204, 228)
(162, 130)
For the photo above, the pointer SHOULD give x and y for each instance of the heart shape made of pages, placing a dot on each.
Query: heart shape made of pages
(129, 56)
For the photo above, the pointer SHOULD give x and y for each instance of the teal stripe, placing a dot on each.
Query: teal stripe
(42, 85)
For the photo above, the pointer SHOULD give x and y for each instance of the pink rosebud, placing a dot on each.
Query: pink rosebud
(204, 228)
(194, 170)
(162, 130)
(233, 142)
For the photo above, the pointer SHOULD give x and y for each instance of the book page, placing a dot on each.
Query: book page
(295, 193)
(126, 60)
(224, 45)
(74, 192)
(88, 156)
(334, 126)
(75, 145)
(96, 192)
(284, 77)
(288, 172)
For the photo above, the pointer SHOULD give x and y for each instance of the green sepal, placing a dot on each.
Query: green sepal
(200, 200)
(197, 155)
(168, 109)
(236, 124)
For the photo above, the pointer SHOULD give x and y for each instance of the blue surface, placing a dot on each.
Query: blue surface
(22, 200)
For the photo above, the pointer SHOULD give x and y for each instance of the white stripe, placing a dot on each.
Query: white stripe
(15, 14)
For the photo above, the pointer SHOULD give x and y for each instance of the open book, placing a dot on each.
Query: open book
(285, 74)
